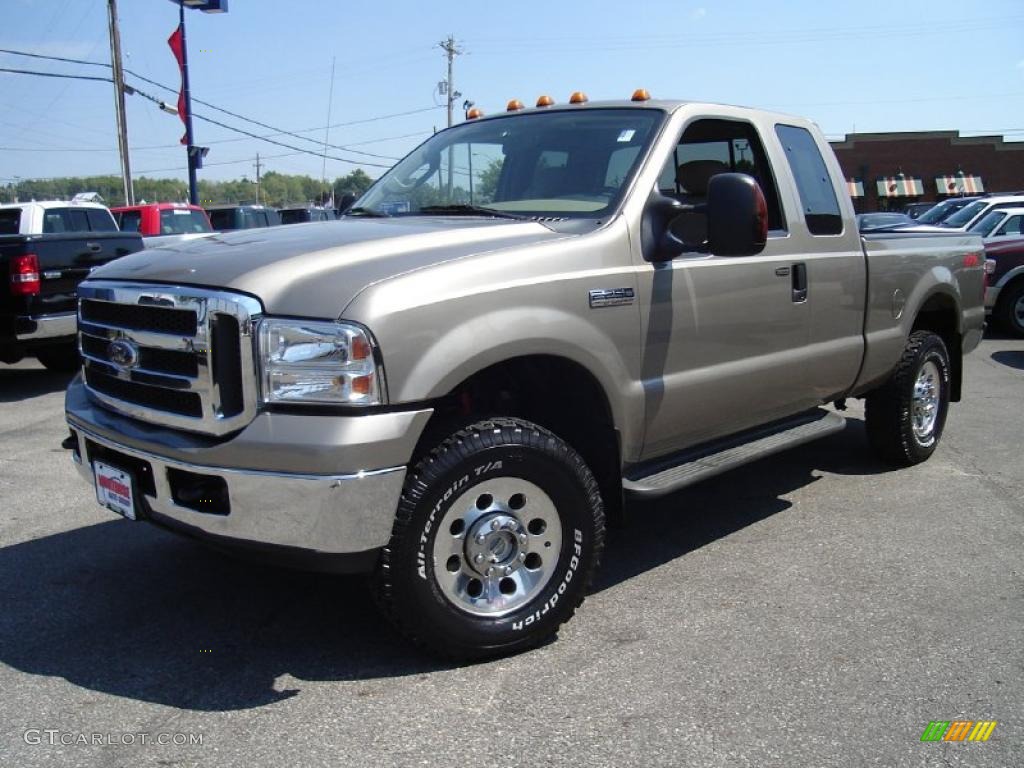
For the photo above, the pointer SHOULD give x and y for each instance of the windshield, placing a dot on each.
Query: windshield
(987, 223)
(183, 221)
(965, 214)
(936, 213)
(560, 164)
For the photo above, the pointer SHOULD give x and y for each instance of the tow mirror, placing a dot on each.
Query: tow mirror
(737, 215)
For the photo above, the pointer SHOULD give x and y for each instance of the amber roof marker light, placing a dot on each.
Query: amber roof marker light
(545, 101)
(514, 105)
(578, 97)
(474, 113)
(641, 94)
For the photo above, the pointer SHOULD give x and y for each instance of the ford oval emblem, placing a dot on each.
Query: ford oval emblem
(123, 353)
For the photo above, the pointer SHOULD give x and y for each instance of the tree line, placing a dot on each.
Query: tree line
(275, 189)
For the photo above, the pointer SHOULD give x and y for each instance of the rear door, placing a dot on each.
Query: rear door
(833, 257)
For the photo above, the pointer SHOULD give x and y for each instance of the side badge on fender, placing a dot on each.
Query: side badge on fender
(610, 297)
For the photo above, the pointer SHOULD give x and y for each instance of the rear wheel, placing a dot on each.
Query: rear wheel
(498, 532)
(906, 415)
(60, 358)
(1010, 309)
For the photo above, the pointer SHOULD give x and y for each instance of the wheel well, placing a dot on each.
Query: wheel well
(553, 392)
(940, 316)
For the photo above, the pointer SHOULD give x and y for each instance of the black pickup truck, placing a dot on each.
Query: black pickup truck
(38, 305)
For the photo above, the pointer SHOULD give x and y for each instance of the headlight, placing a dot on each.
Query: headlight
(312, 361)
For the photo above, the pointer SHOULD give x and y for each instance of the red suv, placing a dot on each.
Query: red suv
(153, 219)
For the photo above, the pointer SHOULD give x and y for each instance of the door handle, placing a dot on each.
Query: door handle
(799, 283)
(94, 247)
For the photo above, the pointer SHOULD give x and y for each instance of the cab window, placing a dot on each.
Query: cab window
(130, 221)
(710, 147)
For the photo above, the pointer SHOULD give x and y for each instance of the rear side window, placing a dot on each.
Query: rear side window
(130, 221)
(223, 218)
(1011, 227)
(10, 221)
(100, 221)
(56, 221)
(817, 196)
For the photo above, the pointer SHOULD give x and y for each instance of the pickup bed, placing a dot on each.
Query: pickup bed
(39, 303)
(532, 318)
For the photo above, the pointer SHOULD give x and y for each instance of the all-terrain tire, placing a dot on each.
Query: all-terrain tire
(906, 415)
(498, 532)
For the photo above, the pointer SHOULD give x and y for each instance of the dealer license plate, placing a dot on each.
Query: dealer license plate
(114, 489)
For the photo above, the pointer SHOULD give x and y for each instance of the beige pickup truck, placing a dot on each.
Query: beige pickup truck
(532, 318)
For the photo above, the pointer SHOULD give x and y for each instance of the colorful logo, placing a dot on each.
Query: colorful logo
(958, 730)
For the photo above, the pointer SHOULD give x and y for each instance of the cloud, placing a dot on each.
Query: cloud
(698, 13)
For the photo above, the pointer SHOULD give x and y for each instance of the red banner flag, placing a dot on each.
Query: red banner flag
(175, 42)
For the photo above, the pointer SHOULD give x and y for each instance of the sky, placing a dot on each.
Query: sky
(849, 65)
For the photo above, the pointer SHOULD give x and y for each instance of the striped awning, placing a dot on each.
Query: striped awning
(959, 185)
(900, 186)
(855, 187)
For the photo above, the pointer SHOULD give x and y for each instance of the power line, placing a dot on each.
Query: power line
(278, 131)
(209, 119)
(56, 74)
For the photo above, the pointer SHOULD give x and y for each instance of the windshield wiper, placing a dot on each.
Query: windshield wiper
(360, 211)
(461, 209)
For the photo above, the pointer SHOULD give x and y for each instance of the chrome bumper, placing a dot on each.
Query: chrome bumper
(330, 514)
(50, 327)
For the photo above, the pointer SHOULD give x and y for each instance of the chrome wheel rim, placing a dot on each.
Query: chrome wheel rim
(1018, 311)
(925, 406)
(497, 546)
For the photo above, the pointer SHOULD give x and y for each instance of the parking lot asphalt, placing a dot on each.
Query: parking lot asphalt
(811, 609)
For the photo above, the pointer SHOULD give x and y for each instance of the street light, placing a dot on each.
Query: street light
(195, 154)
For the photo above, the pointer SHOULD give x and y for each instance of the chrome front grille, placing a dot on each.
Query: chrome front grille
(173, 355)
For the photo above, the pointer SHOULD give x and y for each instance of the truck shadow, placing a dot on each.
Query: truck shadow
(1011, 358)
(658, 531)
(132, 611)
(20, 383)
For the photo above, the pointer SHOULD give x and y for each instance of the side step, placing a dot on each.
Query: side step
(712, 459)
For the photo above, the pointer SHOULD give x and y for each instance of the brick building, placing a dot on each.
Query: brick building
(885, 171)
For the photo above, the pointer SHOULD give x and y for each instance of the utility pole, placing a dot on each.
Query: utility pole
(451, 51)
(259, 196)
(193, 151)
(327, 133)
(122, 123)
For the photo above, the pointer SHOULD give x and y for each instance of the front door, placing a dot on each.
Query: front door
(726, 337)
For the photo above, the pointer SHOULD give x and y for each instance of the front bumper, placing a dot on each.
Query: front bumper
(269, 504)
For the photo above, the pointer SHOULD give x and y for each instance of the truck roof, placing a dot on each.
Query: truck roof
(156, 206)
(48, 204)
(665, 105)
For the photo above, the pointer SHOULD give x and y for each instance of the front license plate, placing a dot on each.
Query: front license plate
(114, 489)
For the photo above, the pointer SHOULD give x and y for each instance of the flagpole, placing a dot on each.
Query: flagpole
(193, 190)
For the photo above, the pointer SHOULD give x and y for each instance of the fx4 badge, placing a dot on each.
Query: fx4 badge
(610, 297)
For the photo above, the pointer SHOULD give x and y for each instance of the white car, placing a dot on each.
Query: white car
(971, 214)
(999, 225)
(55, 216)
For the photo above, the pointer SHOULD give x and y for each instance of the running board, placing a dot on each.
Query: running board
(713, 459)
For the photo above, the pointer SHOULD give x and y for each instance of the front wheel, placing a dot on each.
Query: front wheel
(906, 415)
(497, 534)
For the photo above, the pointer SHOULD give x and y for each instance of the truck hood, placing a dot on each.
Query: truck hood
(316, 269)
